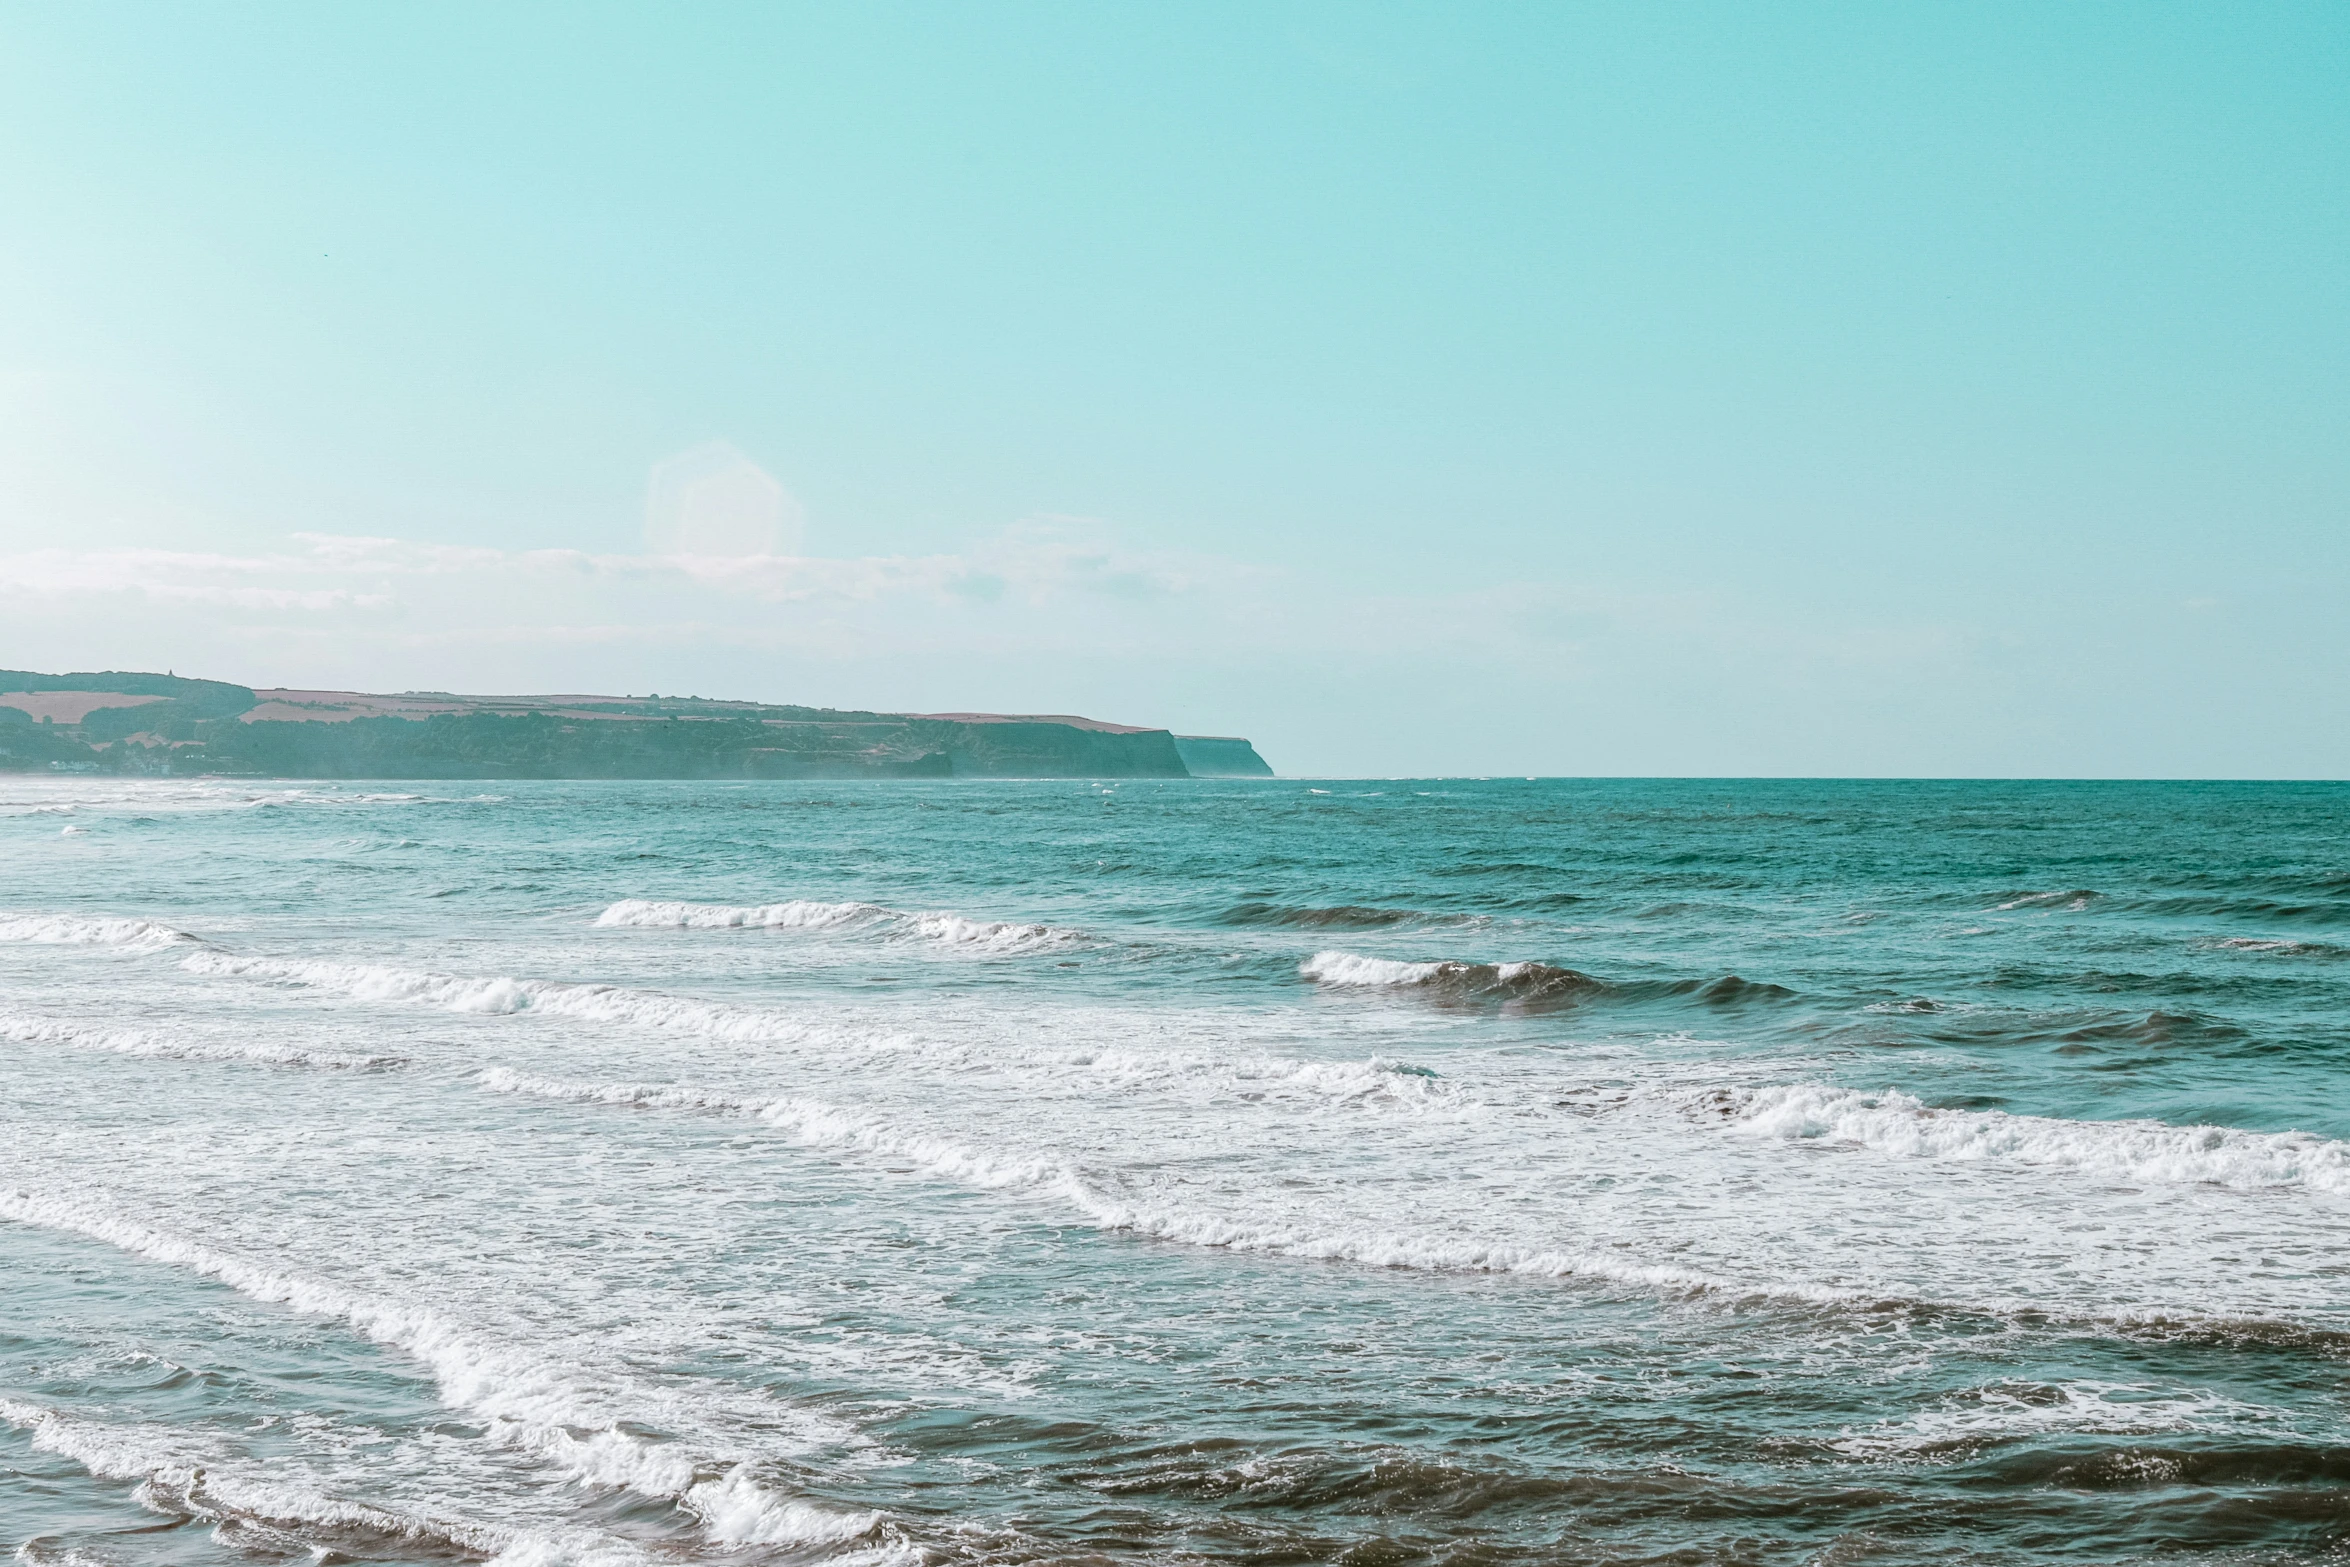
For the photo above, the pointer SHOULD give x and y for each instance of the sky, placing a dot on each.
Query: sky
(1942, 390)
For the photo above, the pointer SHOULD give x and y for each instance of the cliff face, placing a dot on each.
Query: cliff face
(142, 723)
(1220, 756)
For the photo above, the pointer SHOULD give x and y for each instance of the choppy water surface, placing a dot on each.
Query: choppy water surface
(1189, 1172)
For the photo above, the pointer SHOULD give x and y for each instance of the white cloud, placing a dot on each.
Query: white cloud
(400, 606)
(1051, 615)
(1046, 585)
(713, 500)
(1037, 564)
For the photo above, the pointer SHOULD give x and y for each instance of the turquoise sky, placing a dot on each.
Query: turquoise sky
(1530, 388)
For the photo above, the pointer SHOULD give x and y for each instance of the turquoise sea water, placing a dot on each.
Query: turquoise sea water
(1387, 1173)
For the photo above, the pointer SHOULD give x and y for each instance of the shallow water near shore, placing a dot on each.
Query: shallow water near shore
(1270, 1171)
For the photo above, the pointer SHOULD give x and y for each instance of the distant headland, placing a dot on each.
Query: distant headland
(114, 722)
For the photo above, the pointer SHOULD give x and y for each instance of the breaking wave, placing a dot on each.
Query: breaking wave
(1125, 1203)
(174, 1478)
(1098, 1197)
(74, 930)
(1517, 981)
(501, 995)
(1538, 982)
(582, 1420)
(159, 1047)
(947, 930)
(1895, 1123)
(810, 1121)
(1376, 1083)
(797, 915)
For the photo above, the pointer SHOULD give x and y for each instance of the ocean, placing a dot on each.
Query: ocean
(1388, 1173)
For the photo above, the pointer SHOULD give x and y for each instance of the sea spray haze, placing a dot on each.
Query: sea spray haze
(1175, 1171)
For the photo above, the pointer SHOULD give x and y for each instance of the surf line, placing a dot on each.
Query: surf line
(831, 1128)
(527, 1402)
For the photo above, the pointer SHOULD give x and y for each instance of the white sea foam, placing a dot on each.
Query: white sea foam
(177, 1473)
(1229, 1204)
(1005, 937)
(809, 1121)
(1345, 970)
(1376, 1084)
(567, 1414)
(1291, 1237)
(642, 1096)
(1100, 1200)
(1109, 1071)
(1895, 1123)
(500, 994)
(798, 915)
(131, 935)
(162, 1047)
(2007, 1412)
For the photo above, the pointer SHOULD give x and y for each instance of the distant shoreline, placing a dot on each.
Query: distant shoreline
(142, 724)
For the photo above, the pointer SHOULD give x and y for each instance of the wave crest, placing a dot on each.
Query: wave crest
(1538, 983)
(175, 1478)
(1896, 1123)
(800, 914)
(1515, 981)
(582, 1419)
(501, 995)
(159, 1047)
(75, 930)
(1106, 1202)
(944, 929)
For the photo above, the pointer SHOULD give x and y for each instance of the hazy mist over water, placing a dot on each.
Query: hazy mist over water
(1390, 1172)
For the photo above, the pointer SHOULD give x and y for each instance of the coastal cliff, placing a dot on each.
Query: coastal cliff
(115, 722)
(1220, 756)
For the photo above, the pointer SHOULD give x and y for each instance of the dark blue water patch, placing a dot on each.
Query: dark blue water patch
(2218, 983)
(1501, 869)
(2291, 911)
(1548, 902)
(1767, 1439)
(1695, 912)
